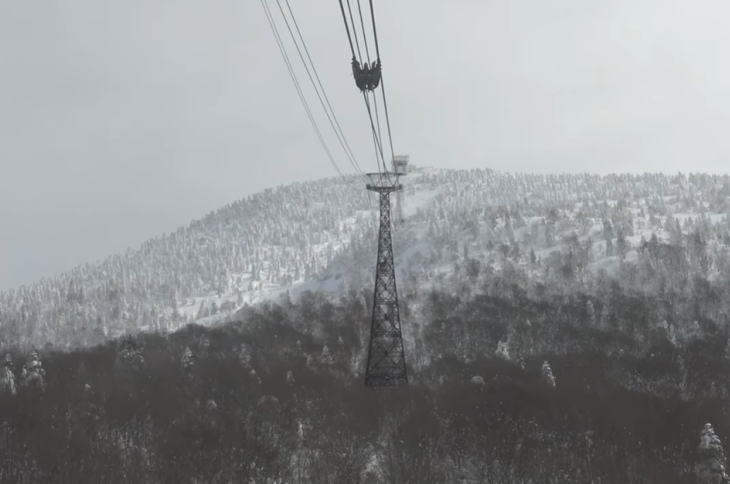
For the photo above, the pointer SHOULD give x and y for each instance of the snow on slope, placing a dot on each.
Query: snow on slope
(321, 236)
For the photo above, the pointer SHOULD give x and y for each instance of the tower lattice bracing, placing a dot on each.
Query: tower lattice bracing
(386, 363)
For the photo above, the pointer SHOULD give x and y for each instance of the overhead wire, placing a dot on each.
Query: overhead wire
(354, 32)
(362, 26)
(351, 30)
(325, 103)
(375, 31)
(375, 107)
(382, 83)
(297, 86)
(377, 133)
(378, 143)
(300, 93)
(375, 99)
(347, 29)
(377, 121)
(387, 117)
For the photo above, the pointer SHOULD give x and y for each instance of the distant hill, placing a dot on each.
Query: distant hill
(557, 233)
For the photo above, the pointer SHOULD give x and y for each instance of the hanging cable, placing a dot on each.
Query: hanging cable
(379, 147)
(382, 84)
(351, 29)
(298, 88)
(326, 105)
(377, 153)
(387, 118)
(347, 29)
(375, 99)
(362, 26)
(375, 31)
(378, 143)
(354, 33)
(377, 117)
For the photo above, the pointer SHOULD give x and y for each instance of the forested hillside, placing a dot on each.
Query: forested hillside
(557, 232)
(557, 329)
(234, 255)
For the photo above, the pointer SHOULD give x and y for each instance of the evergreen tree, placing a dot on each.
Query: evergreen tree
(33, 376)
(7, 377)
(188, 360)
(502, 350)
(129, 357)
(244, 355)
(547, 374)
(591, 312)
(711, 458)
(326, 357)
(622, 246)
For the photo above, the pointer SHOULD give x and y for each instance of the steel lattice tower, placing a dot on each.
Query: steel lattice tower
(386, 363)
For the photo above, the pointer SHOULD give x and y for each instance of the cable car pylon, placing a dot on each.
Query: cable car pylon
(386, 362)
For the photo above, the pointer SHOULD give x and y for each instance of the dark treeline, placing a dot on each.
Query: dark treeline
(278, 396)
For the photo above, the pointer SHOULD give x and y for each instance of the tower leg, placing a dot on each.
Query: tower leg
(386, 363)
(399, 218)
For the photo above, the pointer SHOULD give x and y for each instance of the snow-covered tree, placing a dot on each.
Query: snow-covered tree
(7, 377)
(188, 360)
(326, 357)
(622, 245)
(711, 458)
(129, 356)
(502, 350)
(477, 380)
(33, 376)
(591, 310)
(547, 374)
(292, 233)
(244, 355)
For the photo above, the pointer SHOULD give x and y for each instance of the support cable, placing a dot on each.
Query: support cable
(314, 85)
(354, 33)
(375, 31)
(298, 88)
(378, 144)
(327, 106)
(382, 84)
(362, 26)
(376, 138)
(387, 117)
(347, 29)
(377, 117)
(375, 99)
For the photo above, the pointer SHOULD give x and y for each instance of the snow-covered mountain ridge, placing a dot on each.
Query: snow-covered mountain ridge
(460, 226)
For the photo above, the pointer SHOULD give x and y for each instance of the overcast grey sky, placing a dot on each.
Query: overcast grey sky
(121, 120)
